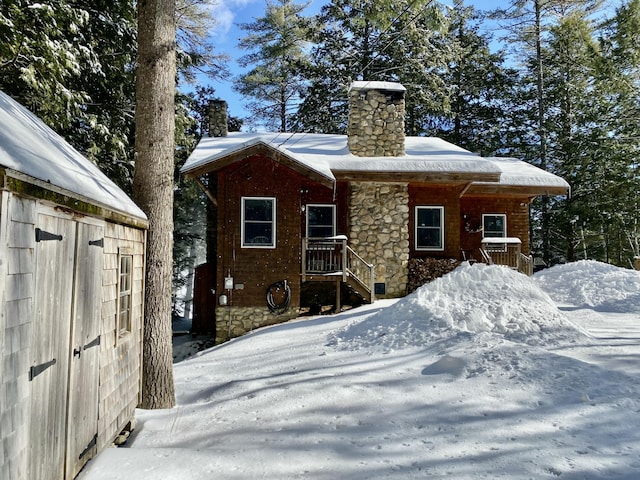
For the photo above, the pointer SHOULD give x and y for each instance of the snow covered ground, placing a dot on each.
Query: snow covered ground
(480, 374)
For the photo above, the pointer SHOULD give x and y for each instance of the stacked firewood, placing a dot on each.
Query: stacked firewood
(425, 270)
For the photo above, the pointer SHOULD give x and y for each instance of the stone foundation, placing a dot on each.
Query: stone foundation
(234, 322)
(379, 232)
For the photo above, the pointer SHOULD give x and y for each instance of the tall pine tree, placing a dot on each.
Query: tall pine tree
(277, 43)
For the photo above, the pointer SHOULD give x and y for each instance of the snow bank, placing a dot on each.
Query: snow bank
(473, 299)
(592, 284)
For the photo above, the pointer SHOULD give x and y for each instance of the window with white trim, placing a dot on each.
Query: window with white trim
(125, 277)
(494, 225)
(258, 222)
(321, 221)
(429, 228)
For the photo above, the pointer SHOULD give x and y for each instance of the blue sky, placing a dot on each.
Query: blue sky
(225, 36)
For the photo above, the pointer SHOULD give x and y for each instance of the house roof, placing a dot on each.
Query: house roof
(28, 146)
(327, 158)
(517, 175)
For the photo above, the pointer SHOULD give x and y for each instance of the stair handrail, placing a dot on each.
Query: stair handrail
(354, 264)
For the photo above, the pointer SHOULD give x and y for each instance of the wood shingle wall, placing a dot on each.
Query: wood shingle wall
(17, 223)
(61, 398)
(120, 355)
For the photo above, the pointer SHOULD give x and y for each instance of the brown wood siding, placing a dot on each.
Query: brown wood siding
(257, 268)
(447, 196)
(515, 208)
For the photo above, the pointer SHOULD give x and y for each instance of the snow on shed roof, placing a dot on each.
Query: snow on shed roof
(329, 156)
(29, 146)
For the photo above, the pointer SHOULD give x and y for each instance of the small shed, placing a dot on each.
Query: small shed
(72, 251)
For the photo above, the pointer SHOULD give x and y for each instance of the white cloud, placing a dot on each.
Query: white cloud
(224, 12)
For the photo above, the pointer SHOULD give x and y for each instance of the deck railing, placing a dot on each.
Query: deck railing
(333, 256)
(506, 251)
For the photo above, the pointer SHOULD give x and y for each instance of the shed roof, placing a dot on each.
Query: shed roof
(426, 159)
(30, 147)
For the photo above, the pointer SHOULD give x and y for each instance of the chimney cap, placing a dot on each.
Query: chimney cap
(371, 85)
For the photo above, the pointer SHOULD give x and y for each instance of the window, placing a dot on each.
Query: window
(125, 275)
(494, 225)
(429, 228)
(321, 221)
(258, 222)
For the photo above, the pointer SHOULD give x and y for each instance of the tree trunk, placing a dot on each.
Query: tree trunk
(542, 132)
(153, 190)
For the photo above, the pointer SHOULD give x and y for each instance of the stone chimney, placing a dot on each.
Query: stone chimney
(376, 119)
(218, 118)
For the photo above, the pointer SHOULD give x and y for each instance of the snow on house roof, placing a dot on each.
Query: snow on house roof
(518, 173)
(329, 156)
(30, 147)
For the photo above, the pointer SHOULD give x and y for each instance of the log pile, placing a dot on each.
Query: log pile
(425, 270)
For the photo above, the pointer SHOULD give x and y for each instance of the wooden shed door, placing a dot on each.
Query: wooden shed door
(84, 352)
(49, 369)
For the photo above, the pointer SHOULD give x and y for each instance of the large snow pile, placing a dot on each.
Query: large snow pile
(470, 401)
(592, 284)
(472, 299)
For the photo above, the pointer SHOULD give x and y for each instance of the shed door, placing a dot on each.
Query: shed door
(84, 351)
(54, 253)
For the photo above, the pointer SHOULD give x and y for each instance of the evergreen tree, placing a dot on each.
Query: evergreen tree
(371, 40)
(620, 138)
(195, 54)
(479, 86)
(278, 43)
(72, 65)
(527, 20)
(572, 124)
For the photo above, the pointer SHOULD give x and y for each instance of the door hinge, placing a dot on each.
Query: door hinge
(93, 343)
(43, 236)
(38, 369)
(97, 243)
(88, 448)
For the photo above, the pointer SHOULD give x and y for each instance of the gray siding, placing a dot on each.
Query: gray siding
(119, 355)
(17, 246)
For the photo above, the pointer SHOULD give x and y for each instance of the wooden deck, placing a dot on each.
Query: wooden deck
(506, 251)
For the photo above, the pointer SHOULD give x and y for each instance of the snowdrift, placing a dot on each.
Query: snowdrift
(473, 299)
(592, 284)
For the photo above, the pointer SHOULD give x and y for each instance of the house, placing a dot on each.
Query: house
(72, 250)
(296, 210)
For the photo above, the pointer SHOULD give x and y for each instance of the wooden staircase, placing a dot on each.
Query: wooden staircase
(333, 260)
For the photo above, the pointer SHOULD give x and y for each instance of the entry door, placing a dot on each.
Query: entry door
(49, 369)
(85, 348)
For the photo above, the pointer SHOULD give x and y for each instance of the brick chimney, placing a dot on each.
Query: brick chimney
(218, 118)
(376, 119)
